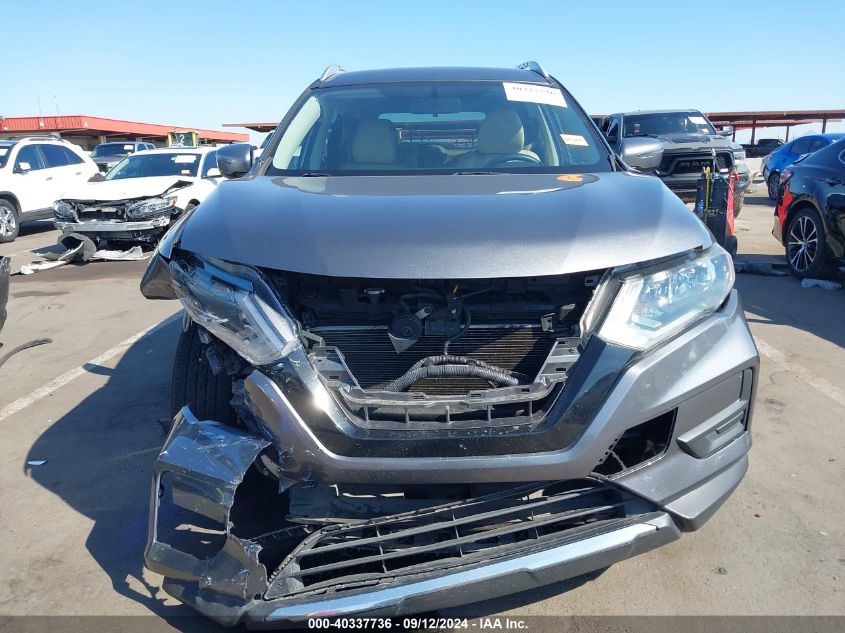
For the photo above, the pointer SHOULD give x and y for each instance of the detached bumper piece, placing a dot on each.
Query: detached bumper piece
(139, 230)
(445, 555)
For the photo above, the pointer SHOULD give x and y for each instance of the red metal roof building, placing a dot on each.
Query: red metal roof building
(88, 131)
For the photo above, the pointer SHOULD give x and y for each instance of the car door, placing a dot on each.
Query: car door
(29, 181)
(61, 174)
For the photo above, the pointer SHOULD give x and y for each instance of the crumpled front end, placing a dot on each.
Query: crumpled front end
(218, 538)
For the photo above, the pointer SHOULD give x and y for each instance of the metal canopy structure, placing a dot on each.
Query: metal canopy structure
(774, 118)
(752, 120)
(98, 129)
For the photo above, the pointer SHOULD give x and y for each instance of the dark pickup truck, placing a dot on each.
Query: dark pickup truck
(763, 147)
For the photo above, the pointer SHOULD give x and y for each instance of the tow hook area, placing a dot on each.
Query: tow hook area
(190, 536)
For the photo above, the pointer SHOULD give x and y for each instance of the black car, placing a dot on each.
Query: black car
(107, 155)
(810, 212)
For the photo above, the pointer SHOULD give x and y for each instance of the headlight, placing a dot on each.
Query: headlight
(739, 154)
(63, 210)
(652, 306)
(151, 207)
(239, 310)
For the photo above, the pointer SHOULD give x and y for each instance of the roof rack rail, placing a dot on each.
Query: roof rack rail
(534, 67)
(331, 71)
(36, 137)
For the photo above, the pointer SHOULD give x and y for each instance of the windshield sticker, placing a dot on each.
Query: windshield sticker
(698, 120)
(186, 172)
(4, 151)
(533, 94)
(571, 178)
(129, 147)
(574, 139)
(185, 158)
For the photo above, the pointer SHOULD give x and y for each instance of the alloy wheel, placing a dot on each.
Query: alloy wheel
(774, 186)
(803, 243)
(7, 221)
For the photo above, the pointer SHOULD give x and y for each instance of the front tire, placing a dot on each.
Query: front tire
(739, 200)
(806, 251)
(194, 383)
(10, 222)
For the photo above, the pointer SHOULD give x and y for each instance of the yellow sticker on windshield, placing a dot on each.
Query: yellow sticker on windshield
(570, 177)
(574, 139)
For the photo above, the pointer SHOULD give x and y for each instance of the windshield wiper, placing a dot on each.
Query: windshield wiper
(314, 174)
(476, 172)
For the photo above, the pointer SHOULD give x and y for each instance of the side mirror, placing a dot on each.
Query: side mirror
(22, 168)
(213, 173)
(726, 130)
(235, 160)
(642, 153)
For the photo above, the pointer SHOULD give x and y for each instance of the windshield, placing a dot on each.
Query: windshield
(113, 149)
(667, 123)
(438, 127)
(150, 165)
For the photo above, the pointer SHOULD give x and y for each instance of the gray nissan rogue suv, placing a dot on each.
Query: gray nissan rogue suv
(440, 344)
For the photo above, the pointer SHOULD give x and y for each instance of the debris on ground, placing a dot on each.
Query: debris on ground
(824, 284)
(22, 347)
(772, 269)
(721, 571)
(77, 248)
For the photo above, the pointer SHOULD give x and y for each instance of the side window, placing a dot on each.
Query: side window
(210, 163)
(54, 155)
(801, 146)
(817, 143)
(30, 155)
(613, 130)
(72, 158)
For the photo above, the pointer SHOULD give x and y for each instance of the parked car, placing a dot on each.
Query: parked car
(690, 143)
(141, 197)
(443, 345)
(810, 212)
(762, 147)
(34, 171)
(774, 164)
(107, 155)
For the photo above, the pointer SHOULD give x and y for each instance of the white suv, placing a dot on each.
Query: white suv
(34, 172)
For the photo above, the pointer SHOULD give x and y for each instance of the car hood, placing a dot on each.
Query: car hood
(125, 188)
(455, 226)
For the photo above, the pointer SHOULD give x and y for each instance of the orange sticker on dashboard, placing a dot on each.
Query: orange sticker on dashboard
(571, 178)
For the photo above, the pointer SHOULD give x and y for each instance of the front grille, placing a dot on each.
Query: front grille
(693, 163)
(101, 213)
(373, 361)
(506, 523)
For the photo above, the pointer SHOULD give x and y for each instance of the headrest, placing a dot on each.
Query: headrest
(374, 142)
(501, 132)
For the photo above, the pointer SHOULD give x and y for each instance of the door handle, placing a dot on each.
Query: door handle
(79, 173)
(49, 178)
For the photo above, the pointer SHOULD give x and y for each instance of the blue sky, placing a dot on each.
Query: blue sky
(205, 63)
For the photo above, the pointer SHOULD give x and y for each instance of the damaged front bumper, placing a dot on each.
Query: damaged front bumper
(140, 230)
(511, 540)
(568, 510)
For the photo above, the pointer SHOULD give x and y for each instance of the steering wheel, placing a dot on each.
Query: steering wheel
(514, 158)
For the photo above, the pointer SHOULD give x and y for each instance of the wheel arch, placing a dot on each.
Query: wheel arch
(10, 197)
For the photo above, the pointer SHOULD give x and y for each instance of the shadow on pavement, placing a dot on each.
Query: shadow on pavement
(102, 452)
(35, 227)
(782, 301)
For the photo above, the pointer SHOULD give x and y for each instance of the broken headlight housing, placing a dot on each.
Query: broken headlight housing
(654, 304)
(151, 207)
(63, 211)
(236, 306)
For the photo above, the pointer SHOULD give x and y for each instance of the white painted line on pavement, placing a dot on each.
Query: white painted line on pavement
(834, 393)
(59, 382)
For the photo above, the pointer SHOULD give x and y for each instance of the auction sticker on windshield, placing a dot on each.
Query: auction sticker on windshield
(574, 139)
(533, 94)
(185, 158)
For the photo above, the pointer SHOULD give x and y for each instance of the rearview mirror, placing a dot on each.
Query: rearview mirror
(213, 173)
(22, 168)
(726, 130)
(640, 153)
(235, 160)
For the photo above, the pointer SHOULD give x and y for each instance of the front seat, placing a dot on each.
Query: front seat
(500, 134)
(373, 146)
